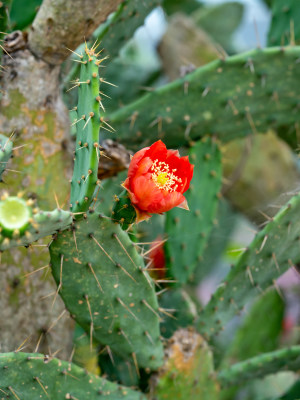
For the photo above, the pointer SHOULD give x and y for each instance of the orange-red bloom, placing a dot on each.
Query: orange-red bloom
(157, 179)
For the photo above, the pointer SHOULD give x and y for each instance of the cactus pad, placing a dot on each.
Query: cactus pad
(33, 376)
(259, 366)
(88, 122)
(21, 225)
(188, 231)
(271, 253)
(101, 279)
(243, 94)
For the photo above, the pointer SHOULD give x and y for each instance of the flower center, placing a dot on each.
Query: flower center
(164, 178)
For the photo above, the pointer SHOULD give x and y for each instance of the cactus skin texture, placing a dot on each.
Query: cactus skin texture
(6, 147)
(188, 369)
(86, 159)
(284, 29)
(34, 376)
(261, 365)
(250, 92)
(100, 277)
(271, 253)
(188, 232)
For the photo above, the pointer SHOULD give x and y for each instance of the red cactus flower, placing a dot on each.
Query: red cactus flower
(157, 265)
(157, 179)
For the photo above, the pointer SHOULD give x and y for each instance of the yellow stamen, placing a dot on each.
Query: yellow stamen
(164, 178)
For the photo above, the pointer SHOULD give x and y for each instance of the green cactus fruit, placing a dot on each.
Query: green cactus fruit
(188, 370)
(34, 376)
(88, 123)
(284, 29)
(102, 280)
(15, 216)
(6, 147)
(188, 231)
(261, 365)
(21, 225)
(271, 253)
(123, 211)
(243, 94)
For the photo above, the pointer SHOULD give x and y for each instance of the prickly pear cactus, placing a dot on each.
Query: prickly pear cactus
(141, 261)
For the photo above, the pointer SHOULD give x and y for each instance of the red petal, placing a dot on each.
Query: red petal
(147, 194)
(135, 161)
(158, 151)
(170, 201)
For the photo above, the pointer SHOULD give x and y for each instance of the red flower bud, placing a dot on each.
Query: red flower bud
(157, 179)
(157, 259)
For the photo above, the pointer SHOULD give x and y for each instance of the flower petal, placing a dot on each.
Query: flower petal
(157, 150)
(135, 161)
(146, 193)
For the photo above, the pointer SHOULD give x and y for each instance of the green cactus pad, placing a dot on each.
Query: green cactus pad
(188, 231)
(259, 366)
(264, 322)
(284, 28)
(6, 146)
(101, 279)
(181, 308)
(34, 376)
(188, 371)
(243, 94)
(21, 227)
(89, 120)
(271, 253)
